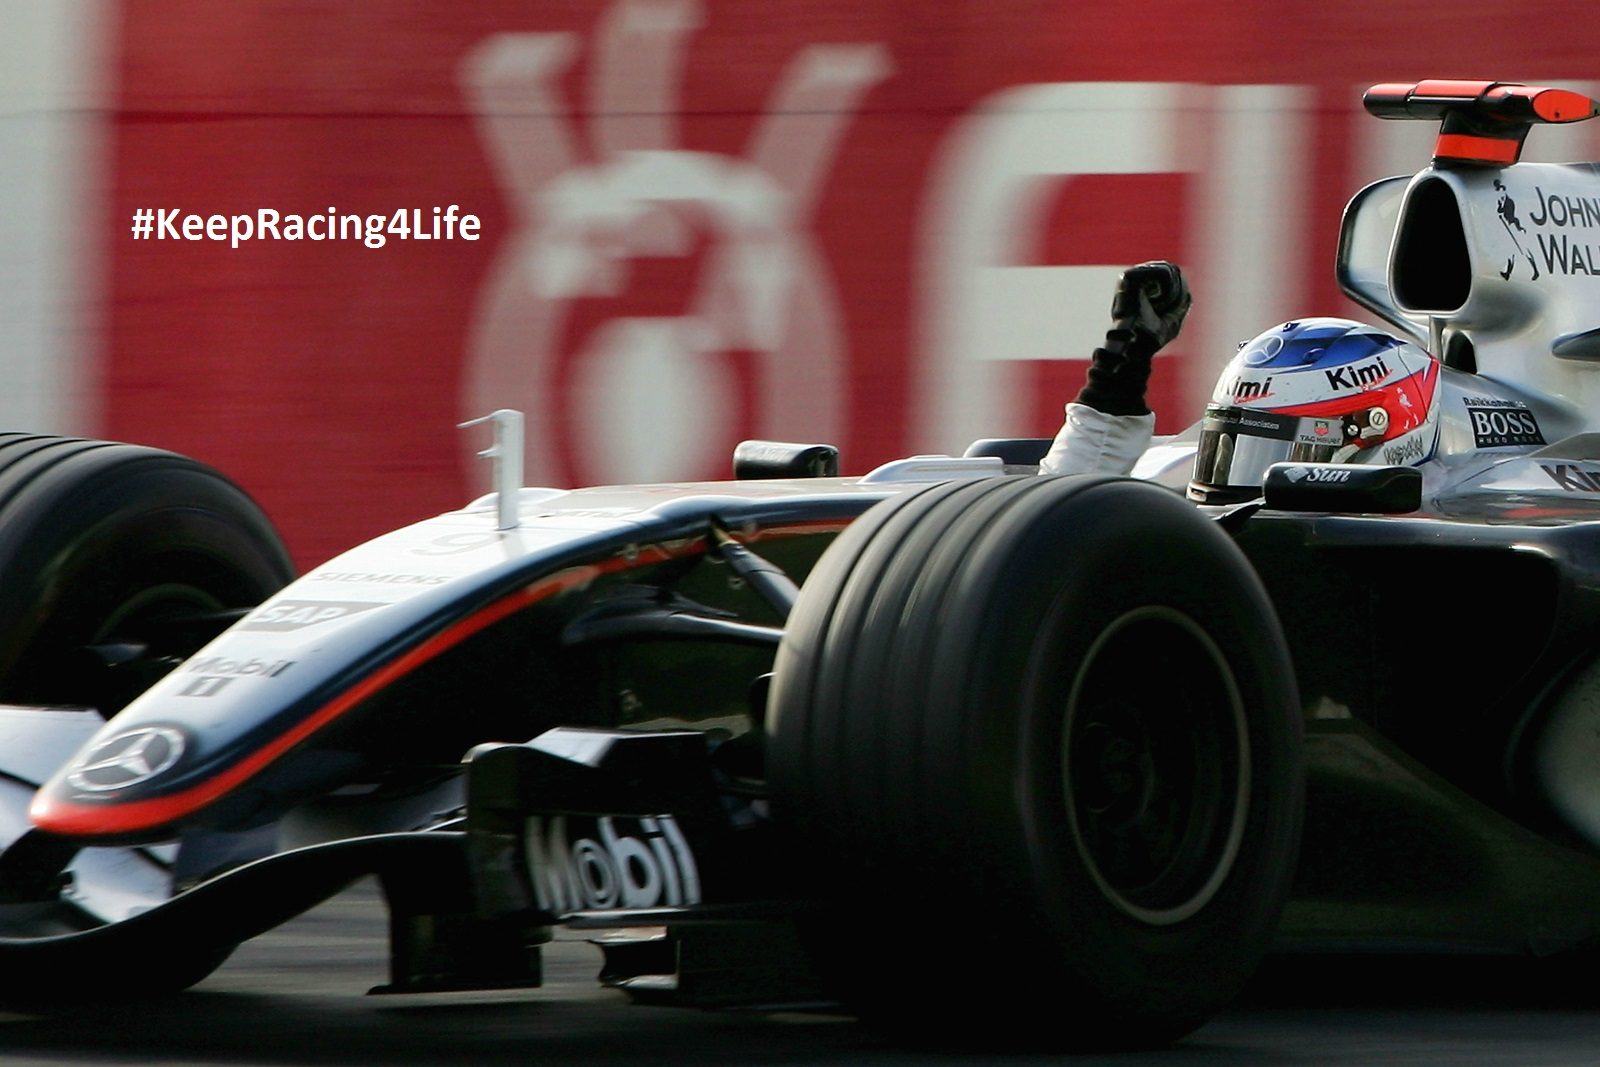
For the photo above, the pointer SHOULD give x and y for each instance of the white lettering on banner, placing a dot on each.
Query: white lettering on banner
(651, 398)
(611, 869)
(981, 308)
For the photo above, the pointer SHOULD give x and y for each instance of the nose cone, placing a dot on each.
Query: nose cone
(129, 781)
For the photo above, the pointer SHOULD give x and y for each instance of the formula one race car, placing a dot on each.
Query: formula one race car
(799, 739)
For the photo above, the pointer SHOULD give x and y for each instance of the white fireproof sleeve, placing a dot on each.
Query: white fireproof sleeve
(1092, 442)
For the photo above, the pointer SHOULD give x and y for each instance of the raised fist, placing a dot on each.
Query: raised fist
(1150, 302)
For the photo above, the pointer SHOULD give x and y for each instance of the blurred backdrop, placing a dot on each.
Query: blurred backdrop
(892, 225)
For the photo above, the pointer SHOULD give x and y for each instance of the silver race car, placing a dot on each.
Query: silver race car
(1320, 675)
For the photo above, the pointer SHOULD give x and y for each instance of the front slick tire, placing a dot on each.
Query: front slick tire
(1039, 746)
(118, 547)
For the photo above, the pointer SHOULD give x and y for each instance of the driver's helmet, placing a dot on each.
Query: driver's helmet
(1315, 391)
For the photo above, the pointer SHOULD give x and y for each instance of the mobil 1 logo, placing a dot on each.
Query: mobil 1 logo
(206, 676)
(1499, 423)
(581, 863)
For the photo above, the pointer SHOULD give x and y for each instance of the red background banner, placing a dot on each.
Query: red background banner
(652, 153)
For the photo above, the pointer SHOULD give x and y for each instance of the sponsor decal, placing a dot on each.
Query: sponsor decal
(283, 615)
(1559, 221)
(1251, 423)
(1403, 452)
(368, 578)
(237, 668)
(1572, 478)
(203, 687)
(1506, 208)
(1562, 255)
(625, 862)
(1242, 389)
(1268, 349)
(1499, 423)
(1358, 375)
(1318, 475)
(127, 759)
(1319, 432)
(1578, 212)
(456, 543)
(214, 673)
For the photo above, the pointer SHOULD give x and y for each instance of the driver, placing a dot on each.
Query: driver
(1315, 390)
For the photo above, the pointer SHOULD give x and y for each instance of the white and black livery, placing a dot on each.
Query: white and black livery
(796, 738)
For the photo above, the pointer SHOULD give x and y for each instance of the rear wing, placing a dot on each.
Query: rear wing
(1493, 264)
(1480, 123)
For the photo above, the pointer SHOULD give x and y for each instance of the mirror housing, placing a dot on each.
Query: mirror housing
(784, 459)
(1342, 487)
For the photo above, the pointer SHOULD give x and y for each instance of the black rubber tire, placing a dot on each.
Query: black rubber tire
(955, 729)
(101, 542)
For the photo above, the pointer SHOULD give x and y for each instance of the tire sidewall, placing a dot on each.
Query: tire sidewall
(946, 637)
(1203, 579)
(104, 526)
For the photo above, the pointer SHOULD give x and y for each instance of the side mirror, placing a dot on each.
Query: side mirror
(781, 459)
(1342, 487)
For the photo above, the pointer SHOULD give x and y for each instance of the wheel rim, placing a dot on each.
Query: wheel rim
(1156, 765)
(153, 603)
(115, 653)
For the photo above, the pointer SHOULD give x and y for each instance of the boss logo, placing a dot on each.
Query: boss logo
(1502, 425)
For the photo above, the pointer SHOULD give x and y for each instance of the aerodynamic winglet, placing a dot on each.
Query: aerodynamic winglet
(1481, 123)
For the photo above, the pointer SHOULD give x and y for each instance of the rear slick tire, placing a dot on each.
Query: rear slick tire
(1038, 745)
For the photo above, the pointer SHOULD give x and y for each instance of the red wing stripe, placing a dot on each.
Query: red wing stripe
(1465, 146)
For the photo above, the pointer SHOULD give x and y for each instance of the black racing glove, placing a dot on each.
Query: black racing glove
(1146, 314)
(1151, 301)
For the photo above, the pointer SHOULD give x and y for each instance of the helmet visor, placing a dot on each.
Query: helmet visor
(1237, 445)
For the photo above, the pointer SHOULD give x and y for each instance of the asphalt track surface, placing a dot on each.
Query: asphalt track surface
(296, 996)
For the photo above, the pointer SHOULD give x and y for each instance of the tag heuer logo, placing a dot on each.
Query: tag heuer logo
(127, 759)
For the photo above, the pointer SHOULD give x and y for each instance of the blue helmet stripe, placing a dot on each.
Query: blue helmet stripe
(1326, 346)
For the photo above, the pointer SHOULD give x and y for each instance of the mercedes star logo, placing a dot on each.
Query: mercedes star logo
(127, 759)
